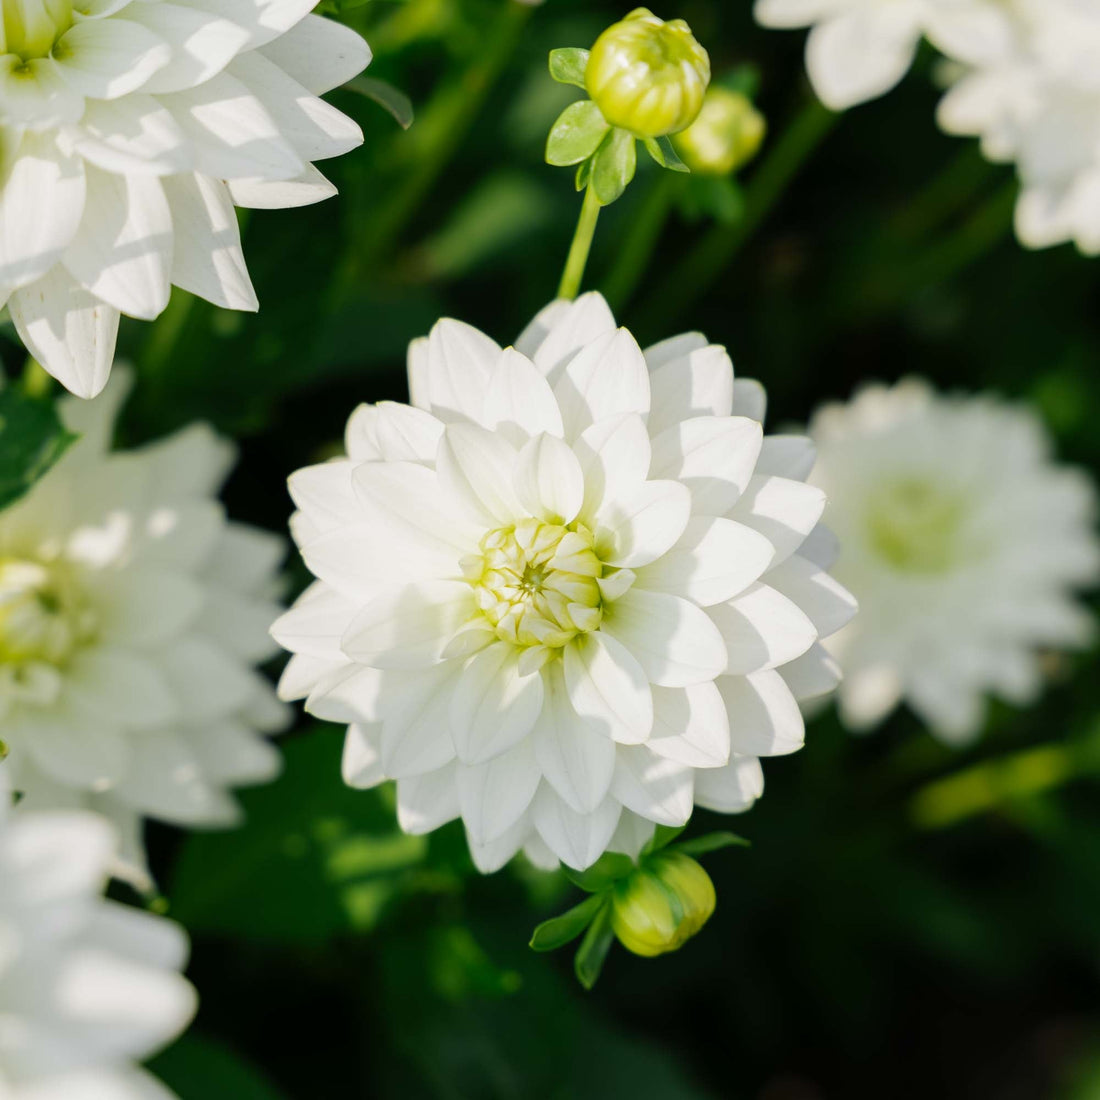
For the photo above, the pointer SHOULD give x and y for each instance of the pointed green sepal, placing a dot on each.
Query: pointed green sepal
(593, 950)
(662, 151)
(558, 931)
(712, 842)
(606, 871)
(663, 835)
(577, 134)
(567, 66)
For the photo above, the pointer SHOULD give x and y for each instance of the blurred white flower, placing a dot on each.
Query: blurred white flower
(129, 129)
(568, 594)
(860, 49)
(131, 614)
(1039, 106)
(87, 986)
(964, 544)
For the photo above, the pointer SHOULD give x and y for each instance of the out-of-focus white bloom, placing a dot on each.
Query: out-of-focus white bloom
(860, 49)
(129, 130)
(87, 986)
(1039, 106)
(569, 593)
(131, 614)
(964, 544)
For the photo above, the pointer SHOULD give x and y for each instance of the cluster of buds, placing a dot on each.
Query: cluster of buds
(652, 906)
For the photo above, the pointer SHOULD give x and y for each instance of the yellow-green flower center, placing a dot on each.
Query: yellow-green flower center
(30, 28)
(43, 617)
(537, 583)
(916, 526)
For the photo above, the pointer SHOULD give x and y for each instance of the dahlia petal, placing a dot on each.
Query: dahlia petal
(750, 399)
(691, 384)
(122, 252)
(548, 480)
(562, 329)
(458, 363)
(346, 692)
(690, 726)
(207, 258)
(492, 855)
(303, 190)
(604, 380)
(321, 54)
(326, 492)
(202, 44)
(827, 604)
(476, 468)
(144, 606)
(193, 464)
(644, 525)
(792, 13)
(302, 675)
(732, 789)
(614, 457)
(405, 434)
(782, 510)
(764, 718)
(316, 623)
(32, 93)
(132, 134)
(41, 205)
(762, 628)
(714, 560)
(425, 802)
(361, 765)
(409, 628)
(105, 59)
(361, 433)
(265, 20)
(414, 709)
(790, 456)
(675, 349)
(653, 786)
(494, 706)
(822, 547)
(575, 754)
(313, 128)
(519, 402)
(233, 135)
(496, 794)
(78, 750)
(578, 840)
(233, 754)
(206, 682)
(713, 456)
(812, 675)
(122, 687)
(606, 684)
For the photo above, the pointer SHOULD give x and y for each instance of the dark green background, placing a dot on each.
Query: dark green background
(858, 950)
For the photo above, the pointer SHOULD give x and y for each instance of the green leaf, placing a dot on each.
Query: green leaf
(584, 174)
(558, 931)
(606, 871)
(720, 198)
(662, 836)
(663, 152)
(199, 1067)
(614, 166)
(385, 95)
(32, 439)
(577, 134)
(592, 953)
(568, 66)
(712, 842)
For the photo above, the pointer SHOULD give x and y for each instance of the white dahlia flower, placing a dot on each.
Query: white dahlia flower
(129, 129)
(964, 543)
(87, 986)
(568, 593)
(1039, 107)
(860, 49)
(131, 614)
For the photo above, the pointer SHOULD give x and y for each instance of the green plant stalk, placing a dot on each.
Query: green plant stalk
(702, 266)
(437, 134)
(575, 265)
(637, 250)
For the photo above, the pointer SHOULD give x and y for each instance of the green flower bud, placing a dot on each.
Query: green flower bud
(662, 905)
(727, 134)
(648, 76)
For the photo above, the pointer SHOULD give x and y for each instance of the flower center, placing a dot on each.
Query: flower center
(916, 526)
(30, 28)
(536, 583)
(43, 618)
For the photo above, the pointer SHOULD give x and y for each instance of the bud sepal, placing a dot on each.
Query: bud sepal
(652, 906)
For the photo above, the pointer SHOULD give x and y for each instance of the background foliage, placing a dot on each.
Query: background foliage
(910, 921)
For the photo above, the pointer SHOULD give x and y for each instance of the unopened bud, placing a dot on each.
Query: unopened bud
(648, 76)
(662, 905)
(727, 134)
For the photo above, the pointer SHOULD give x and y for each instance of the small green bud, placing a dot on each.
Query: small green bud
(727, 134)
(648, 76)
(662, 905)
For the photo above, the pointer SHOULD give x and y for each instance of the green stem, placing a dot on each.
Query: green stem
(638, 248)
(699, 269)
(573, 275)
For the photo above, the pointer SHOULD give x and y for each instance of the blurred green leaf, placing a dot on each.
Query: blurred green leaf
(592, 953)
(558, 931)
(199, 1069)
(712, 842)
(32, 439)
(385, 95)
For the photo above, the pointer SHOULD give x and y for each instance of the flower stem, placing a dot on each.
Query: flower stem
(573, 275)
(637, 250)
(695, 274)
